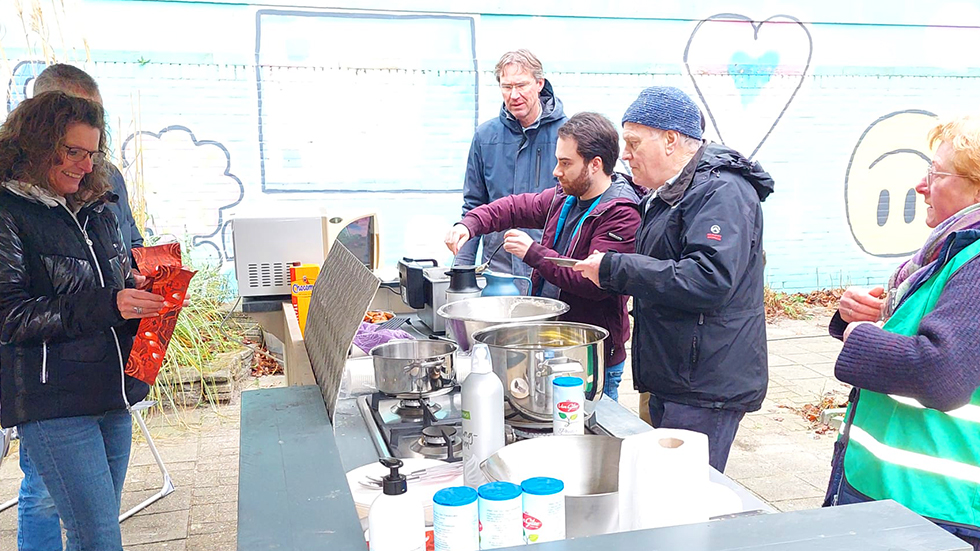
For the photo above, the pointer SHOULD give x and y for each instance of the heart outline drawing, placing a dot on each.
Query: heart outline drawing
(756, 26)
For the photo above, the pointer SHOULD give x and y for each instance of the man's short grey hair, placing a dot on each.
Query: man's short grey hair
(687, 143)
(522, 58)
(65, 78)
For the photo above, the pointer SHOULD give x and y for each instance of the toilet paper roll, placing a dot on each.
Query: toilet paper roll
(663, 475)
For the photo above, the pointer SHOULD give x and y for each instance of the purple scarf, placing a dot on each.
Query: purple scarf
(912, 270)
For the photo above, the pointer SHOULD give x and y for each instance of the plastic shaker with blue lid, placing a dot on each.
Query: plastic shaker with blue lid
(501, 513)
(568, 401)
(544, 509)
(568, 381)
(455, 519)
(542, 486)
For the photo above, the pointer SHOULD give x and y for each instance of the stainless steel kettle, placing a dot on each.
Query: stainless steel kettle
(462, 283)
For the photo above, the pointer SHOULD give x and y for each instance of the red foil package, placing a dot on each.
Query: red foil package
(162, 267)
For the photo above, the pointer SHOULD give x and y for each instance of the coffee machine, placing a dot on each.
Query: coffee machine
(423, 285)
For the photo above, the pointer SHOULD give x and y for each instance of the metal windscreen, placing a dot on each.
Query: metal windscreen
(342, 294)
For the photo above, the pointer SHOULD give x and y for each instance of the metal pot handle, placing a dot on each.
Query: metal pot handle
(425, 364)
(419, 371)
(553, 366)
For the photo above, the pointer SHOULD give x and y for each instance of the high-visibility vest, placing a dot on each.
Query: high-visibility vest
(898, 449)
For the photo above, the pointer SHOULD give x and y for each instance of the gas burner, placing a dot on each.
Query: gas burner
(423, 395)
(525, 432)
(399, 423)
(414, 409)
(520, 421)
(433, 443)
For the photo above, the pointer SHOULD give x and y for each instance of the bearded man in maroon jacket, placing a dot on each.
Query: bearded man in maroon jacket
(591, 209)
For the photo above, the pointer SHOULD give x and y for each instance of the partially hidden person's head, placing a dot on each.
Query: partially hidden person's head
(662, 131)
(521, 79)
(57, 142)
(952, 182)
(588, 146)
(69, 79)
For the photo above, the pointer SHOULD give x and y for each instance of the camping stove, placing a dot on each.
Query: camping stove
(426, 426)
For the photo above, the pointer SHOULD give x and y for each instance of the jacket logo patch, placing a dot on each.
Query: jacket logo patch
(715, 233)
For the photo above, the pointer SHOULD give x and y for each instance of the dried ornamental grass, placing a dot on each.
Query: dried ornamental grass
(797, 305)
(779, 304)
(201, 334)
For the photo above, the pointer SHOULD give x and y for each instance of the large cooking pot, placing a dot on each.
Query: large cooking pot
(528, 356)
(466, 317)
(587, 464)
(407, 369)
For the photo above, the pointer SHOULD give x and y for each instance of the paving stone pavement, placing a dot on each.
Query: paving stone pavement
(201, 454)
(776, 455)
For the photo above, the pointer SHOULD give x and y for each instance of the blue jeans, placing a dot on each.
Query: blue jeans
(83, 462)
(38, 523)
(614, 374)
(719, 424)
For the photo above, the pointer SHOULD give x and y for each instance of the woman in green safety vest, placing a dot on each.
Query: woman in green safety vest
(912, 353)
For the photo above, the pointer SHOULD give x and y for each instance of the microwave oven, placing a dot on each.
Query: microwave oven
(265, 248)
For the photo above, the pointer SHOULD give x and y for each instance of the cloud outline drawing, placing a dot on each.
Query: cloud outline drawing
(200, 239)
(19, 79)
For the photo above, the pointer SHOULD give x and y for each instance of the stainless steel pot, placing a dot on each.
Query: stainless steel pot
(528, 356)
(589, 467)
(466, 317)
(407, 369)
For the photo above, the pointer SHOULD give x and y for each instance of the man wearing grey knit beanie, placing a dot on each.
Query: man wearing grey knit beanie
(699, 332)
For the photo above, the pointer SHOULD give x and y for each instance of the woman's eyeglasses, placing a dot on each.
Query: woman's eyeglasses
(77, 154)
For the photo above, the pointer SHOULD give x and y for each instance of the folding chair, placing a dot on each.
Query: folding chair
(168, 484)
(166, 489)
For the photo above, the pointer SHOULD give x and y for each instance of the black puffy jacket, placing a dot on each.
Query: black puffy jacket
(699, 332)
(63, 344)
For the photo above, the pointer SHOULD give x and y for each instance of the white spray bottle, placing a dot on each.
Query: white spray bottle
(483, 416)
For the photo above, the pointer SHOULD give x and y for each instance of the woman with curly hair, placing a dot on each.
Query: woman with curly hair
(68, 313)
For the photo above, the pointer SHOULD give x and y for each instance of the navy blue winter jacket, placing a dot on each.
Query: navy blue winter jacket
(699, 330)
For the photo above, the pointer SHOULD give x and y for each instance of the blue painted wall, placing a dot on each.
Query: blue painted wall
(246, 109)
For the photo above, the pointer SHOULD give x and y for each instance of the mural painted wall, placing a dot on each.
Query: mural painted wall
(274, 109)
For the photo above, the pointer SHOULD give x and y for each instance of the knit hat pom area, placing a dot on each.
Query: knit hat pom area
(666, 108)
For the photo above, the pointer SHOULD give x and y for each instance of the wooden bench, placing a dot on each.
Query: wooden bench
(292, 488)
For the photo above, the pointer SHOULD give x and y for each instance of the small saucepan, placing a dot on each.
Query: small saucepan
(408, 369)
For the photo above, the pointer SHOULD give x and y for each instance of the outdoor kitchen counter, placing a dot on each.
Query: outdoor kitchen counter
(357, 447)
(874, 525)
(293, 495)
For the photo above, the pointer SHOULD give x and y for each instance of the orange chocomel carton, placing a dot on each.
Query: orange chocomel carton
(301, 278)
